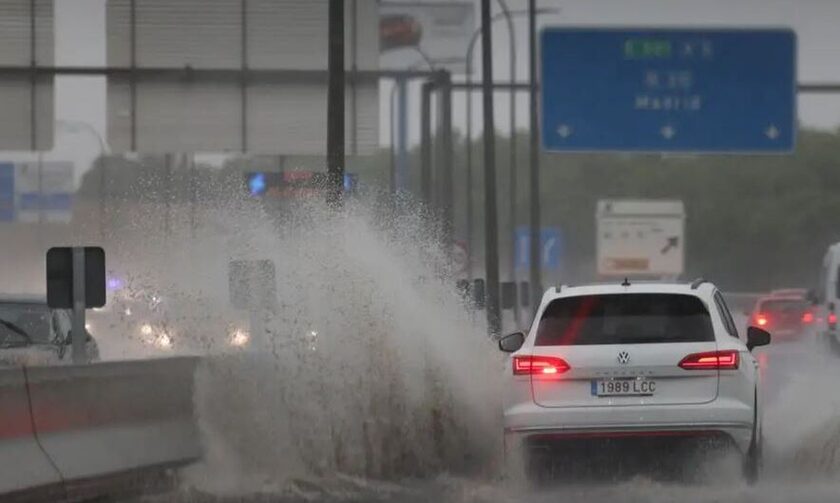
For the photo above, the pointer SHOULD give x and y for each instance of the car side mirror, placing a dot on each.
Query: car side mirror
(757, 337)
(512, 342)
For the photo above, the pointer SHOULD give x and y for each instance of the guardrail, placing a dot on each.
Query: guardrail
(67, 430)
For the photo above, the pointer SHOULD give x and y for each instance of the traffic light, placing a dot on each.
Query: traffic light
(261, 184)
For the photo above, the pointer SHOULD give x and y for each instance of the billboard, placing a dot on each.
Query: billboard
(441, 30)
(258, 81)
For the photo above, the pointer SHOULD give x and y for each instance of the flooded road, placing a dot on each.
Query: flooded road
(802, 458)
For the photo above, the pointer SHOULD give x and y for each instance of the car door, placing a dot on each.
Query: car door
(742, 383)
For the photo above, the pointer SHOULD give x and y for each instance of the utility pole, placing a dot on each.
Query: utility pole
(335, 105)
(534, 159)
(445, 159)
(494, 320)
(426, 142)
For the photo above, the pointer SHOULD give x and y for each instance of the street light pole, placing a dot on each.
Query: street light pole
(534, 197)
(512, 159)
(335, 104)
(509, 15)
(490, 217)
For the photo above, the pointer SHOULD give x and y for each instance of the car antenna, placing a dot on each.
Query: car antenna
(626, 282)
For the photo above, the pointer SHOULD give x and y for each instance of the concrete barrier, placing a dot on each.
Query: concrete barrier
(75, 425)
(23, 463)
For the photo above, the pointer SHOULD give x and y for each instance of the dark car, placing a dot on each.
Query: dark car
(785, 313)
(31, 333)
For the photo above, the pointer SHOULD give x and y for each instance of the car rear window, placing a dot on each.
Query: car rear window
(784, 306)
(624, 319)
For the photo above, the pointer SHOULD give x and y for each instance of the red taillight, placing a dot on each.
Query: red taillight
(720, 360)
(539, 365)
(761, 320)
(832, 321)
(808, 317)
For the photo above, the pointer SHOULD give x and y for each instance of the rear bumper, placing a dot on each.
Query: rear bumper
(719, 417)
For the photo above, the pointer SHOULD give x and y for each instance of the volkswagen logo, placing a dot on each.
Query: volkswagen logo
(624, 357)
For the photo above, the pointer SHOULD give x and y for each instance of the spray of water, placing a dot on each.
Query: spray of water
(371, 367)
(370, 364)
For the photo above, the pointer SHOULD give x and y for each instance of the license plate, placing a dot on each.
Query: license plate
(630, 386)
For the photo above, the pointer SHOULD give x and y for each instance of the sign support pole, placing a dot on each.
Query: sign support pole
(79, 334)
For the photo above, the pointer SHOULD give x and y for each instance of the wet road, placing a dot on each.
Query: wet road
(802, 458)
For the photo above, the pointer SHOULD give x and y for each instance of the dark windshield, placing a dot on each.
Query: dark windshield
(31, 318)
(624, 319)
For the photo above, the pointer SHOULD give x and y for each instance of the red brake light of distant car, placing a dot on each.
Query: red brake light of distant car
(539, 365)
(832, 321)
(720, 360)
(761, 320)
(808, 317)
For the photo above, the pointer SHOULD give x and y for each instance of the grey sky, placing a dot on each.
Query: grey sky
(80, 40)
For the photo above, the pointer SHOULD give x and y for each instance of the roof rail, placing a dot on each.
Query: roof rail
(697, 282)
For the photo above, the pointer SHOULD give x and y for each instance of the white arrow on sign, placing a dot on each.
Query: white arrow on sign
(772, 132)
(668, 132)
(548, 245)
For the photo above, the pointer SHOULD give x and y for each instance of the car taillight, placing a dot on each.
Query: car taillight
(761, 320)
(832, 320)
(808, 317)
(539, 365)
(720, 360)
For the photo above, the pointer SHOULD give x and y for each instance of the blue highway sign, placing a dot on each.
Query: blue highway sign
(668, 90)
(551, 242)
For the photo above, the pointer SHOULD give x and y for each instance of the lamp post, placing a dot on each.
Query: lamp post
(508, 15)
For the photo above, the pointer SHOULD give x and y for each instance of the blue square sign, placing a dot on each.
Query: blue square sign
(669, 90)
(551, 248)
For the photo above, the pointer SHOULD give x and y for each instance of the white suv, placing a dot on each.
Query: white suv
(633, 360)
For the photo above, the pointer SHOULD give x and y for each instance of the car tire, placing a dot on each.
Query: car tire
(754, 457)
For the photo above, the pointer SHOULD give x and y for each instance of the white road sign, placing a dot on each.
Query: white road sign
(640, 238)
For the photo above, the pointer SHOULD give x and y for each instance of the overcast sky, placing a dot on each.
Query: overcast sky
(80, 40)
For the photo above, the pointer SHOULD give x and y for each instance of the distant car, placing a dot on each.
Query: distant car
(790, 292)
(613, 363)
(826, 298)
(31, 333)
(786, 313)
(172, 322)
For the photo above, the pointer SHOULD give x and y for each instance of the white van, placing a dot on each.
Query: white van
(826, 297)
